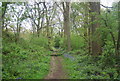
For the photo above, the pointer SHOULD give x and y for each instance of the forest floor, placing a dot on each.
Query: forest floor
(56, 69)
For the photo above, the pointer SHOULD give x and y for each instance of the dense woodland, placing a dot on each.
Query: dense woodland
(85, 34)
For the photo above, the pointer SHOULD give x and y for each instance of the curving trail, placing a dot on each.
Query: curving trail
(56, 70)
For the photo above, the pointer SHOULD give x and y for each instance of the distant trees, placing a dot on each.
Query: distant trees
(19, 18)
(36, 14)
(12, 15)
(49, 19)
(4, 8)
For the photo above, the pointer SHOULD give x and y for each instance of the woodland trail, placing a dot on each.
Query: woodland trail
(56, 69)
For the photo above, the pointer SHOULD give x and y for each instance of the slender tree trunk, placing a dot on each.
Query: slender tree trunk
(89, 43)
(47, 20)
(118, 40)
(47, 27)
(17, 33)
(42, 22)
(85, 19)
(38, 31)
(86, 35)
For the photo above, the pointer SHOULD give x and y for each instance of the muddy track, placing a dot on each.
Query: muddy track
(56, 69)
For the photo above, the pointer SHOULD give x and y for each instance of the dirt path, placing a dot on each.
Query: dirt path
(56, 70)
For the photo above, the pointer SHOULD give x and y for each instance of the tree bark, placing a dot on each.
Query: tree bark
(94, 12)
(66, 15)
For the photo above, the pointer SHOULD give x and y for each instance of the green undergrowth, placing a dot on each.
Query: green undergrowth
(88, 67)
(25, 60)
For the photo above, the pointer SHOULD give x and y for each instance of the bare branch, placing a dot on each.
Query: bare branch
(59, 7)
(105, 6)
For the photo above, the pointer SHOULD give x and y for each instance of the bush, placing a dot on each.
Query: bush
(108, 55)
(77, 42)
(57, 41)
(62, 43)
(41, 41)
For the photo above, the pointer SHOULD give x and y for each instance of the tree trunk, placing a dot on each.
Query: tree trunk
(66, 15)
(94, 12)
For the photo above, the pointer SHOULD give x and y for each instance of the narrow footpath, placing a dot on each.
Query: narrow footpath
(56, 69)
